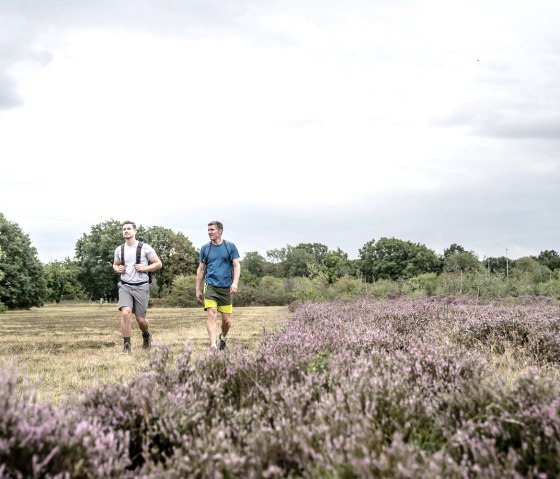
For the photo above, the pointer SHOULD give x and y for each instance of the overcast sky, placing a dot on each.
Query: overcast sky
(333, 121)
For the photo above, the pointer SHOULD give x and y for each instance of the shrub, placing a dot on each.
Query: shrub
(348, 388)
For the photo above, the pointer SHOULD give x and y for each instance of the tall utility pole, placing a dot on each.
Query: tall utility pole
(507, 264)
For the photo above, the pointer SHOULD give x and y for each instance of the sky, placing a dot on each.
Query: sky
(336, 121)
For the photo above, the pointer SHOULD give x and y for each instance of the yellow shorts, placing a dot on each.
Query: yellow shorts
(219, 298)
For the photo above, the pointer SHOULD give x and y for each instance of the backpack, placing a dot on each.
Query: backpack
(138, 259)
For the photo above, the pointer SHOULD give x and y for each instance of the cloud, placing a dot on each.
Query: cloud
(289, 121)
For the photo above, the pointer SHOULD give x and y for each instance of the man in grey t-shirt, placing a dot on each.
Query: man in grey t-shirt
(134, 288)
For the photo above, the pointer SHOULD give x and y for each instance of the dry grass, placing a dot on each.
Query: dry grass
(64, 350)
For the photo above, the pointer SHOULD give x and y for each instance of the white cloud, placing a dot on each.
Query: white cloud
(398, 115)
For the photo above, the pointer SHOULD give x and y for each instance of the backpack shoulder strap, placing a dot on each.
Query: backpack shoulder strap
(122, 255)
(139, 252)
(228, 251)
(205, 260)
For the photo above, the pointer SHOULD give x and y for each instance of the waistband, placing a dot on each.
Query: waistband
(134, 284)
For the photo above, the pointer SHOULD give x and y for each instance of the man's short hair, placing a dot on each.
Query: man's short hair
(217, 224)
(128, 222)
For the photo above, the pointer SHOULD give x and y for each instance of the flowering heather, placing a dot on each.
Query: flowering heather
(366, 388)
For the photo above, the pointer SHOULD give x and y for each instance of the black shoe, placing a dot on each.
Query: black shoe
(126, 348)
(147, 344)
(223, 344)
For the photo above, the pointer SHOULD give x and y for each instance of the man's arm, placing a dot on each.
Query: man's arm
(155, 264)
(236, 275)
(199, 276)
(118, 267)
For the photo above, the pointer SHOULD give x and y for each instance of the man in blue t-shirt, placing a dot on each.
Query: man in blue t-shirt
(220, 268)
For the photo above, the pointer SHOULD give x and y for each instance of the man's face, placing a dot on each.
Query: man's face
(128, 231)
(214, 233)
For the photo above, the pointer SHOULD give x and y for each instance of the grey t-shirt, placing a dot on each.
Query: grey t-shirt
(131, 275)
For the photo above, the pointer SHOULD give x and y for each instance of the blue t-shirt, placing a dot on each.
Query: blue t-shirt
(219, 268)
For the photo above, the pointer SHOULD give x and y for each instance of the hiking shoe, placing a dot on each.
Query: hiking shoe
(223, 344)
(147, 344)
(126, 348)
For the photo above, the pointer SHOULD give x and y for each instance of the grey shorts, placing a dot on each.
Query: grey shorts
(135, 297)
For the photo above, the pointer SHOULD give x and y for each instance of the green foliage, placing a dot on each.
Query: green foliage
(550, 259)
(308, 289)
(95, 255)
(1, 258)
(22, 281)
(463, 261)
(391, 258)
(62, 281)
(297, 262)
(453, 249)
(254, 267)
(496, 265)
(337, 265)
(271, 292)
(183, 291)
(425, 283)
(347, 287)
(176, 252)
(528, 266)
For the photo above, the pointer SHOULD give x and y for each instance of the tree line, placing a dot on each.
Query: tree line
(307, 271)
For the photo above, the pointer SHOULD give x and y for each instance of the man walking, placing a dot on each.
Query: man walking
(220, 269)
(135, 262)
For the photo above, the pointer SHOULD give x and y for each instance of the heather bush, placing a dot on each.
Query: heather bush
(39, 440)
(530, 331)
(348, 388)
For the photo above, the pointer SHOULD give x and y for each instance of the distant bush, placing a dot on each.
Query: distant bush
(182, 292)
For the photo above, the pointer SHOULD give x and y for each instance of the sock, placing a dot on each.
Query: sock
(126, 339)
(145, 334)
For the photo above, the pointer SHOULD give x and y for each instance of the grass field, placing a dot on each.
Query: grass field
(64, 350)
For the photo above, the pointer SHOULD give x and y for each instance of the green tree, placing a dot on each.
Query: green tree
(453, 249)
(391, 258)
(337, 265)
(277, 255)
(62, 281)
(254, 263)
(293, 261)
(2, 305)
(22, 281)
(550, 259)
(497, 264)
(1, 258)
(296, 262)
(318, 250)
(94, 256)
(176, 252)
(531, 269)
(461, 262)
